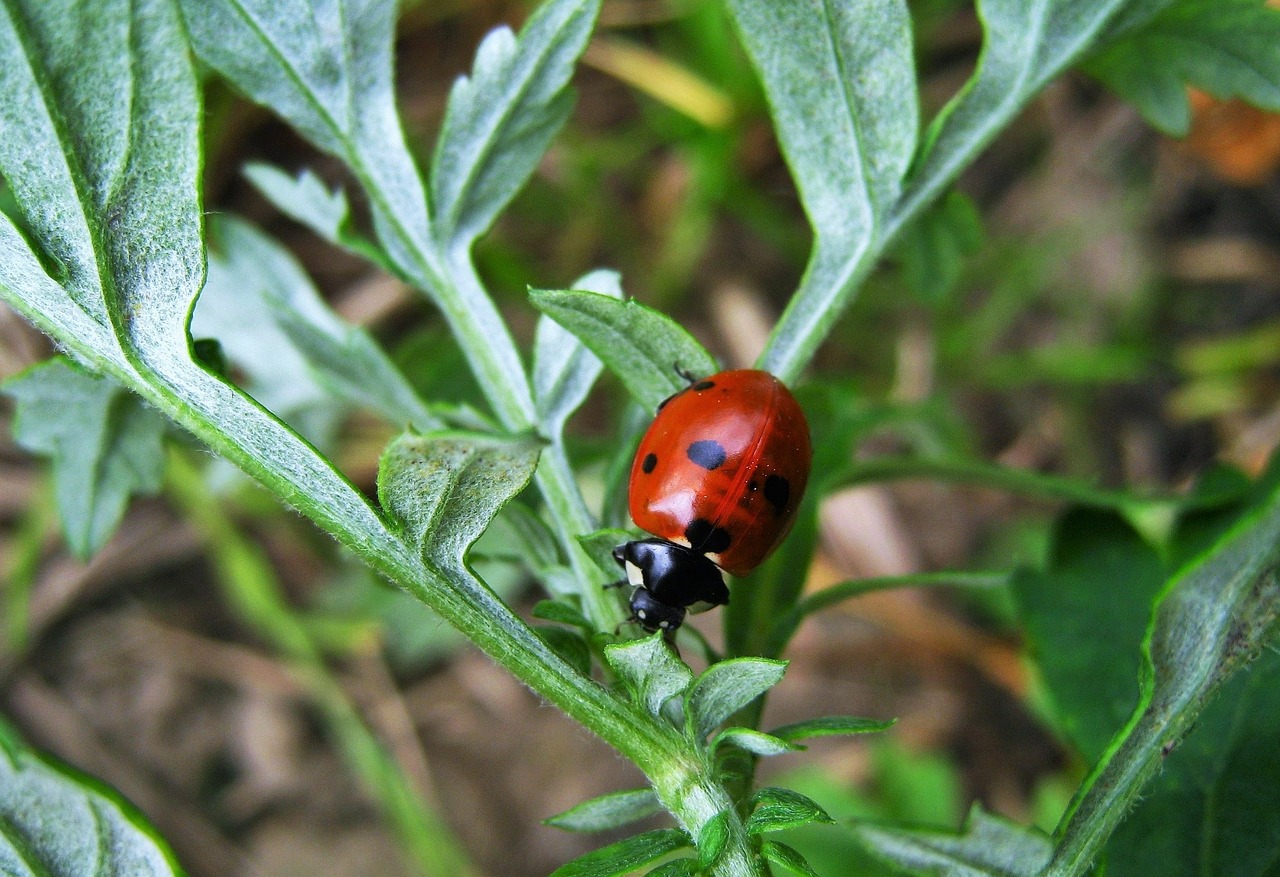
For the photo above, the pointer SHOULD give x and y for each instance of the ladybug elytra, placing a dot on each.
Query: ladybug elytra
(717, 480)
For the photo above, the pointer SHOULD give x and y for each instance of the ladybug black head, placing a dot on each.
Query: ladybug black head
(669, 580)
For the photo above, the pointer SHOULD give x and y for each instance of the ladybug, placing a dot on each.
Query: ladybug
(717, 480)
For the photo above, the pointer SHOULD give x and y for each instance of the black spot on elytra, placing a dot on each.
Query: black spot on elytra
(647, 464)
(706, 538)
(708, 453)
(777, 490)
(753, 485)
(703, 385)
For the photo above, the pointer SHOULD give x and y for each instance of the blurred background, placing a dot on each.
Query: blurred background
(1099, 302)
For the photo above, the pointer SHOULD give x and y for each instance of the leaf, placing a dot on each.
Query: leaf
(444, 488)
(599, 546)
(650, 670)
(564, 370)
(104, 446)
(842, 89)
(830, 726)
(1229, 48)
(932, 249)
(306, 199)
(327, 70)
(58, 823)
(561, 612)
(501, 119)
(713, 837)
(788, 857)
(644, 348)
(271, 321)
(686, 867)
(1214, 808)
(1085, 615)
(608, 811)
(569, 645)
(625, 855)
(988, 846)
(1211, 619)
(780, 809)
(755, 742)
(727, 687)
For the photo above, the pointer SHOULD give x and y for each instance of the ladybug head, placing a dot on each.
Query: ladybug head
(669, 579)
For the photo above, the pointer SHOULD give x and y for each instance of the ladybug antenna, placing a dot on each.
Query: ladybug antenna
(685, 373)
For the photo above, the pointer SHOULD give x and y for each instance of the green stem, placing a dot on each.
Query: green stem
(250, 587)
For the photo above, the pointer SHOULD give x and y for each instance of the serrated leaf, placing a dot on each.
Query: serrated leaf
(608, 811)
(780, 809)
(713, 837)
(1229, 48)
(327, 70)
(1210, 620)
(261, 305)
(755, 742)
(306, 199)
(444, 488)
(501, 119)
(987, 846)
(104, 446)
(788, 857)
(56, 823)
(727, 687)
(1085, 615)
(564, 370)
(830, 726)
(842, 90)
(625, 856)
(650, 669)
(1214, 808)
(644, 348)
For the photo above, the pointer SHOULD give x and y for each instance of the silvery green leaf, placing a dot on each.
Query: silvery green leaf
(608, 811)
(755, 742)
(727, 687)
(650, 670)
(564, 370)
(987, 846)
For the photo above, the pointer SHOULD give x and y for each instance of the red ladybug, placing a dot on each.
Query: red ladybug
(717, 480)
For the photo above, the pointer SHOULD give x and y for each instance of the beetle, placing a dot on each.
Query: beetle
(716, 481)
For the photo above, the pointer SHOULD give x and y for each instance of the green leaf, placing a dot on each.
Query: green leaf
(1210, 620)
(55, 822)
(104, 446)
(1229, 48)
(830, 726)
(727, 687)
(932, 249)
(988, 846)
(787, 857)
(686, 867)
(842, 89)
(564, 370)
(599, 546)
(625, 855)
(1214, 808)
(650, 670)
(644, 348)
(501, 119)
(1086, 615)
(608, 811)
(780, 809)
(569, 645)
(327, 70)
(712, 840)
(562, 613)
(296, 340)
(306, 199)
(444, 488)
(755, 742)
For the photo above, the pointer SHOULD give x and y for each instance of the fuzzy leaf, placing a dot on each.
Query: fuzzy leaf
(686, 867)
(625, 856)
(780, 809)
(501, 119)
(1229, 48)
(104, 446)
(787, 857)
(712, 840)
(599, 546)
(830, 726)
(650, 670)
(444, 488)
(608, 811)
(755, 742)
(727, 687)
(644, 348)
(56, 823)
(564, 370)
(988, 846)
